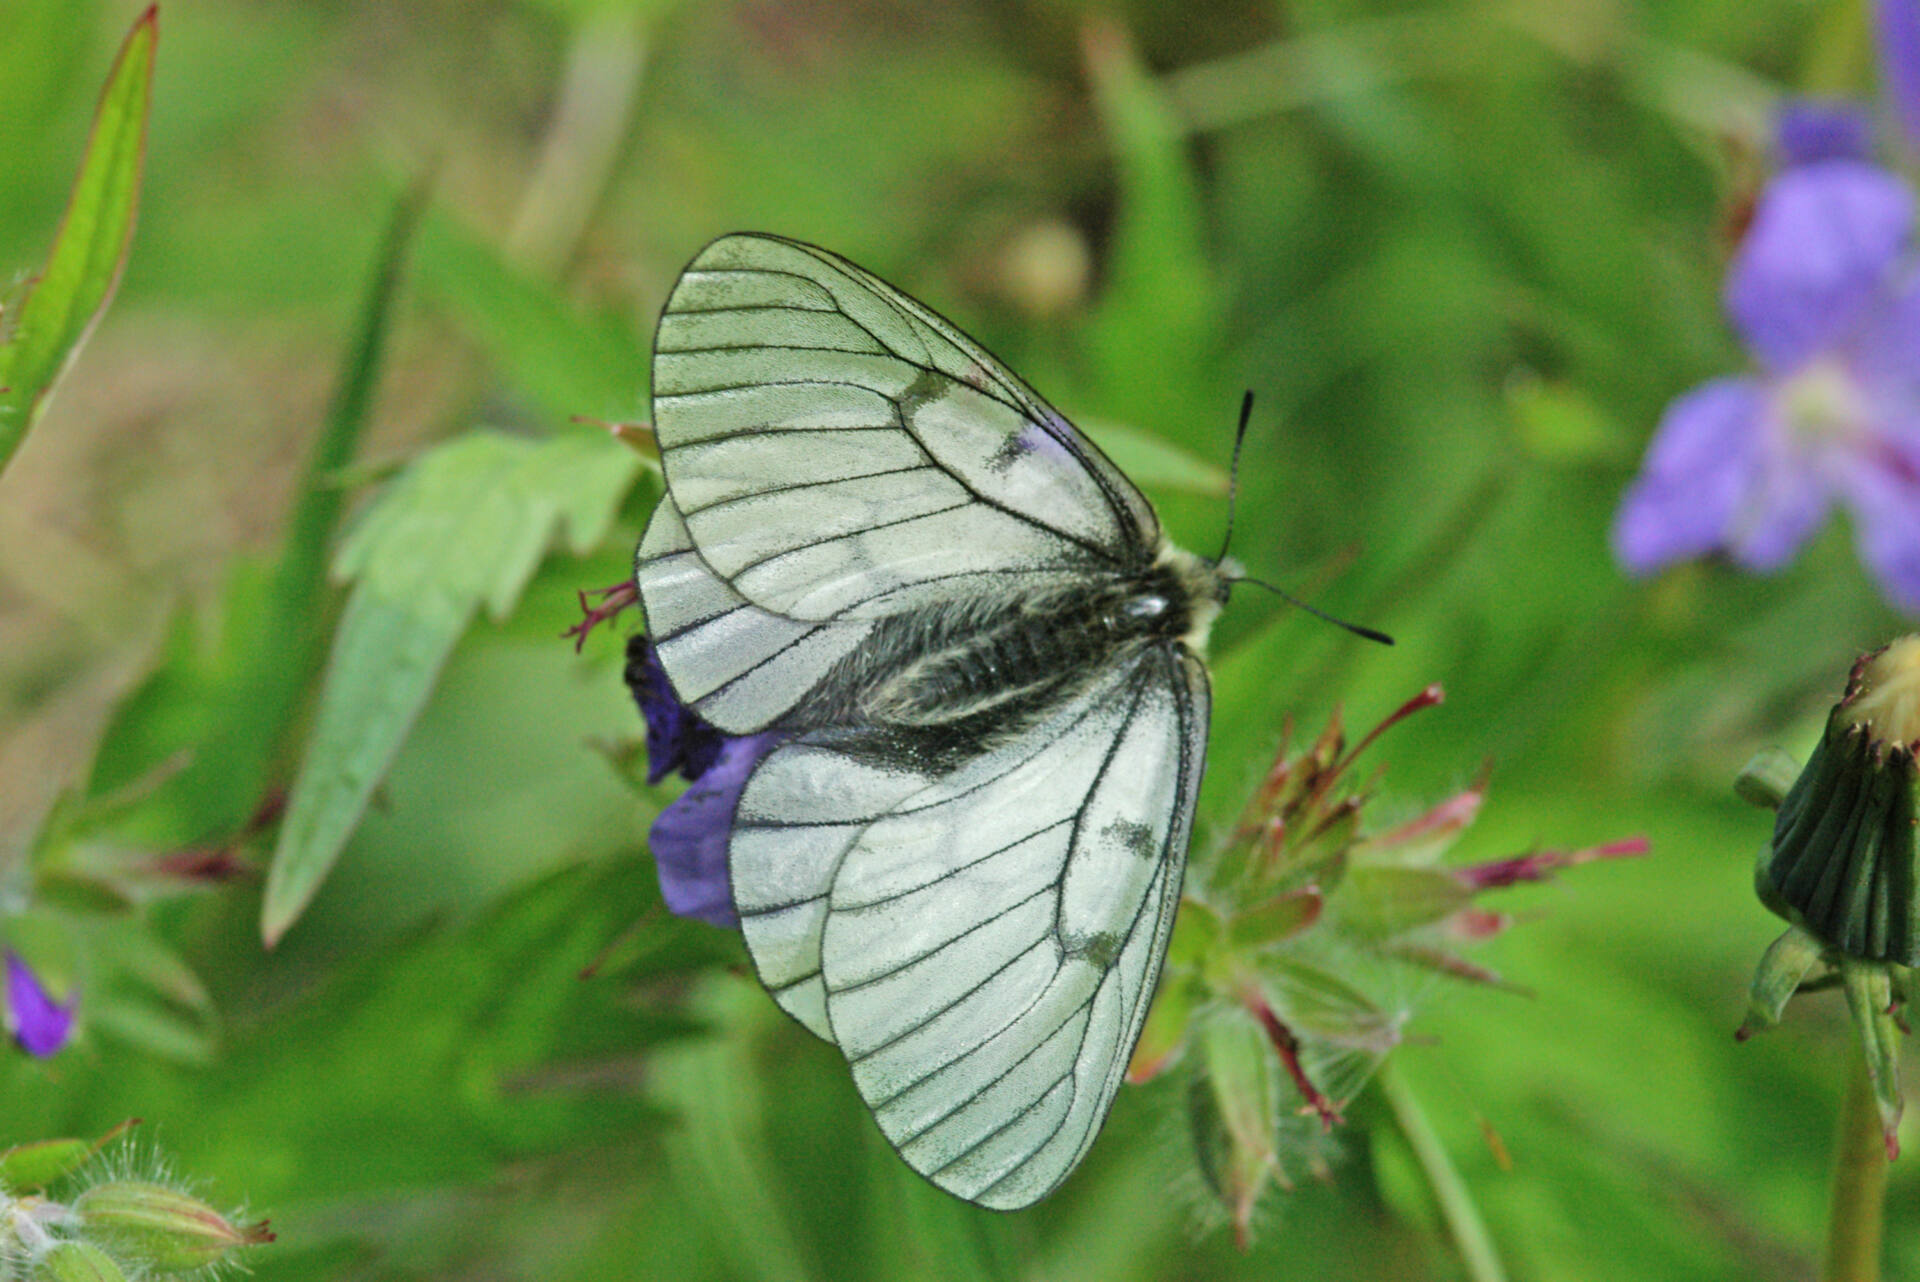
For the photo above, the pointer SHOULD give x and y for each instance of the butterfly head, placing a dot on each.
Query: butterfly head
(1190, 586)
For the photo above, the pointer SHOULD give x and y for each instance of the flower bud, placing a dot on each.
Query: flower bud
(1840, 866)
(76, 1262)
(1233, 1106)
(165, 1229)
(1841, 863)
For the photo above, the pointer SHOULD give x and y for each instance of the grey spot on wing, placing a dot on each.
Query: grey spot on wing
(1136, 837)
(1009, 452)
(1099, 949)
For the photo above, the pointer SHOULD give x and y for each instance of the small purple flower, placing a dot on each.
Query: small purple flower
(1897, 23)
(1809, 130)
(689, 838)
(39, 1023)
(677, 739)
(1822, 290)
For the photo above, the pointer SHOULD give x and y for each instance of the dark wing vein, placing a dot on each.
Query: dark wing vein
(1038, 1044)
(1052, 886)
(954, 871)
(938, 1011)
(1073, 1091)
(942, 946)
(792, 486)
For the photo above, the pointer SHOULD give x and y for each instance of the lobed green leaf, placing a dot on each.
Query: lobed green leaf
(464, 526)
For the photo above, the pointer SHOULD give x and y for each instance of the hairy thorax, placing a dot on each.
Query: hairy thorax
(952, 678)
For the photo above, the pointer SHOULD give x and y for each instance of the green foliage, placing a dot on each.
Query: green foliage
(465, 526)
(567, 363)
(226, 708)
(1463, 254)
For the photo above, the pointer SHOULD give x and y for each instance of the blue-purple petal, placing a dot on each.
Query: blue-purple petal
(39, 1023)
(1696, 478)
(1899, 30)
(677, 739)
(1824, 245)
(689, 839)
(1884, 356)
(1786, 500)
(1809, 130)
(1883, 488)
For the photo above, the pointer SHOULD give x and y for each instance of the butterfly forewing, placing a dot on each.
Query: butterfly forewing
(835, 448)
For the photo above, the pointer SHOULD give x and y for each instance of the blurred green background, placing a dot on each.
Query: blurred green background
(1463, 252)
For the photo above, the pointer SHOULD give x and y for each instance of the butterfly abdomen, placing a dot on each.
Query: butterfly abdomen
(951, 679)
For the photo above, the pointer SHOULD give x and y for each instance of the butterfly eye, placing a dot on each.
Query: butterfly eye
(1146, 607)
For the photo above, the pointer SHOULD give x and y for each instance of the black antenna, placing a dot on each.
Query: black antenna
(1358, 630)
(1233, 495)
(1233, 476)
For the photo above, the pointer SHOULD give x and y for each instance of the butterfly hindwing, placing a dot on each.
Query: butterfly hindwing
(984, 951)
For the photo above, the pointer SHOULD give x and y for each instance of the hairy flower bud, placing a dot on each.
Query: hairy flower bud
(1259, 1002)
(166, 1230)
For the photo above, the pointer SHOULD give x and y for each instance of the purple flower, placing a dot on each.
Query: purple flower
(677, 739)
(1823, 292)
(1898, 26)
(689, 838)
(1809, 130)
(39, 1023)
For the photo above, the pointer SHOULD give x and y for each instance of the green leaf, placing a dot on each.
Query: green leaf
(1782, 969)
(569, 363)
(146, 996)
(464, 526)
(1233, 1109)
(91, 247)
(1158, 311)
(1276, 920)
(26, 1167)
(1767, 778)
(719, 1151)
(1871, 1003)
(1380, 901)
(1317, 1003)
(1155, 462)
(427, 1062)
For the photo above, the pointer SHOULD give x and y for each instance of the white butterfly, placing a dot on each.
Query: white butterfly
(962, 864)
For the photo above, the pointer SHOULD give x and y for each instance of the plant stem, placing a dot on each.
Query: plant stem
(1855, 1213)
(1468, 1230)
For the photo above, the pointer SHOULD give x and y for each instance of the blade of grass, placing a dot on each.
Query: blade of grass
(90, 250)
(244, 696)
(1478, 1255)
(284, 652)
